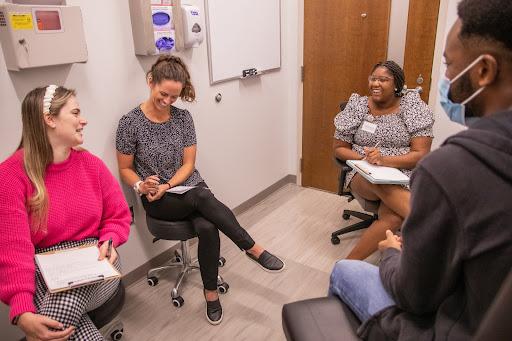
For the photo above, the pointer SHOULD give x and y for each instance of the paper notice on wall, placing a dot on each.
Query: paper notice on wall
(163, 28)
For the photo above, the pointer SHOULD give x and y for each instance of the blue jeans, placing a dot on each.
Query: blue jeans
(358, 284)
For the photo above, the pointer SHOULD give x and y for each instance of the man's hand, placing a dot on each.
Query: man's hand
(391, 240)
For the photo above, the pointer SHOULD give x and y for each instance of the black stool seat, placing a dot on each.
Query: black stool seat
(319, 319)
(170, 230)
(108, 310)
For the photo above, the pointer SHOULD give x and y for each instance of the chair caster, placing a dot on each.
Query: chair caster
(223, 288)
(222, 261)
(335, 240)
(116, 335)
(177, 257)
(152, 281)
(178, 302)
(346, 216)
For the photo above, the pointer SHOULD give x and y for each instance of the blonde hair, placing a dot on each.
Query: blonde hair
(168, 67)
(37, 151)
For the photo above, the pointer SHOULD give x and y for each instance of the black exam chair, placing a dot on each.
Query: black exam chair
(182, 231)
(104, 315)
(328, 318)
(367, 205)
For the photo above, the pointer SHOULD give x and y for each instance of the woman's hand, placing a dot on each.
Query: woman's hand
(149, 185)
(158, 194)
(40, 327)
(373, 156)
(104, 252)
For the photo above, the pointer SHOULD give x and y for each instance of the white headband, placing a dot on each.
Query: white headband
(48, 97)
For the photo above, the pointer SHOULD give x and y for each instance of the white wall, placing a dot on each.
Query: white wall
(245, 143)
(443, 127)
(398, 30)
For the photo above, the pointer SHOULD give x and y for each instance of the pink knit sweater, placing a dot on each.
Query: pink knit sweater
(85, 200)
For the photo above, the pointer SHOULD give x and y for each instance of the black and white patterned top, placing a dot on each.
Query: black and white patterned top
(157, 147)
(394, 131)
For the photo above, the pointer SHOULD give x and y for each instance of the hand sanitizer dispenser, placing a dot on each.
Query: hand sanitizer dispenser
(193, 31)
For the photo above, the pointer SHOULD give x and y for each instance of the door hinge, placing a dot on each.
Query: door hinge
(302, 73)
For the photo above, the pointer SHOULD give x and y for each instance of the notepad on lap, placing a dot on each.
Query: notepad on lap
(180, 189)
(71, 268)
(378, 174)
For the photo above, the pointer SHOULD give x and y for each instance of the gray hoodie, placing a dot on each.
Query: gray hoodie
(457, 241)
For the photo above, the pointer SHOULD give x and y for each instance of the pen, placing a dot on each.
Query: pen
(109, 249)
(376, 145)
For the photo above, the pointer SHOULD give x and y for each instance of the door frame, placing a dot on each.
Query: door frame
(435, 75)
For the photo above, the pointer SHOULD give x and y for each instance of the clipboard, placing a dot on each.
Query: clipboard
(74, 267)
(379, 175)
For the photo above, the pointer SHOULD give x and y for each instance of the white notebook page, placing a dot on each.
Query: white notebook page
(66, 269)
(380, 172)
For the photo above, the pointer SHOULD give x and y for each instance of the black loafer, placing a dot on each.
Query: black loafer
(214, 312)
(268, 261)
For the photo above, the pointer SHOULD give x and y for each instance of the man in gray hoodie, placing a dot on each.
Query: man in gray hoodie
(438, 280)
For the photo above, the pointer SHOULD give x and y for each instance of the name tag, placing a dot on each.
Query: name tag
(369, 127)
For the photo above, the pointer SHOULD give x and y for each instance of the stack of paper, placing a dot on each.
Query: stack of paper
(378, 174)
(72, 268)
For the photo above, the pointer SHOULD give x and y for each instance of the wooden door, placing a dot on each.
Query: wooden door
(420, 44)
(343, 39)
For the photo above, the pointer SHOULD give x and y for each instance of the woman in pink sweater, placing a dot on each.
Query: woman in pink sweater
(55, 197)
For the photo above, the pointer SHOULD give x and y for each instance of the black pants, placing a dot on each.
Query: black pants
(208, 215)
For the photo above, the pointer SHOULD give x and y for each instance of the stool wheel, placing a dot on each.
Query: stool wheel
(117, 334)
(335, 240)
(346, 216)
(177, 257)
(152, 281)
(223, 287)
(222, 261)
(178, 302)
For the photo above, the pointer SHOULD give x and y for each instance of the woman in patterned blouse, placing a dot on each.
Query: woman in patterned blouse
(156, 144)
(401, 126)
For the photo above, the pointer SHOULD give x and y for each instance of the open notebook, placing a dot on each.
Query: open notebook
(378, 174)
(71, 268)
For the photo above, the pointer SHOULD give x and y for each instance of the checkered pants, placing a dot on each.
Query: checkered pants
(70, 307)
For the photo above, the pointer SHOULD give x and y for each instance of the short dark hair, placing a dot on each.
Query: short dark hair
(397, 72)
(489, 19)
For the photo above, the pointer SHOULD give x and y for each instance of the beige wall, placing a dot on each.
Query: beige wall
(245, 143)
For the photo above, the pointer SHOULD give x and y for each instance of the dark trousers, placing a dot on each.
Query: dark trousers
(208, 215)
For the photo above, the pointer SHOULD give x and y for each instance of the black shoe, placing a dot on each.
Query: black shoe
(267, 261)
(214, 312)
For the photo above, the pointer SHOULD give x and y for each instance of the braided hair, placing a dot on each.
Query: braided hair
(168, 67)
(397, 72)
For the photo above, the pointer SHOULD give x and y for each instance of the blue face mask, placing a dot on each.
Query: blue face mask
(456, 111)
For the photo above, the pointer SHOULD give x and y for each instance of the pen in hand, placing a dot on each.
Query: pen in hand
(109, 249)
(376, 145)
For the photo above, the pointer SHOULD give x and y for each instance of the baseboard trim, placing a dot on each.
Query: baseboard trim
(288, 179)
(141, 271)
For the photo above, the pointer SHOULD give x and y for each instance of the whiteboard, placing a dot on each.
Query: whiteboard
(242, 35)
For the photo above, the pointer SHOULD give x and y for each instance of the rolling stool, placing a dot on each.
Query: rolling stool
(182, 231)
(104, 317)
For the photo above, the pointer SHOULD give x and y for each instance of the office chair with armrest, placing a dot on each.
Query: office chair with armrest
(367, 205)
(328, 318)
(182, 231)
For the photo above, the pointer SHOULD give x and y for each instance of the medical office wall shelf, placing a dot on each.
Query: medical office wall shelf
(37, 33)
